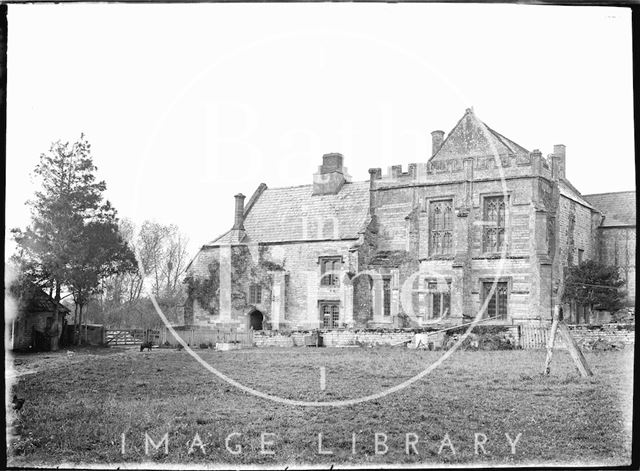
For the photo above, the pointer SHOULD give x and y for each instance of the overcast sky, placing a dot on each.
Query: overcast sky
(187, 105)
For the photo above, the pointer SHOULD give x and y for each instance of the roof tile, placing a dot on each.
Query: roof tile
(293, 214)
(618, 208)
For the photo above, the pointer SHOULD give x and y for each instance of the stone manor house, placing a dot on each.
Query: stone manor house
(483, 224)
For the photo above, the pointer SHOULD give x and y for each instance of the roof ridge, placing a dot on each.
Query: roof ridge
(219, 237)
(467, 111)
(511, 145)
(566, 181)
(610, 193)
(307, 184)
(501, 137)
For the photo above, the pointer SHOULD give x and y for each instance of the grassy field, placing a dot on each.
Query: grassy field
(77, 408)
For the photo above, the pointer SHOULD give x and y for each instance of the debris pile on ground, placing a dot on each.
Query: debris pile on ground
(482, 341)
(624, 315)
(601, 344)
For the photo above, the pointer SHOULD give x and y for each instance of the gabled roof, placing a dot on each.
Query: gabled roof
(294, 214)
(569, 191)
(619, 209)
(34, 299)
(471, 137)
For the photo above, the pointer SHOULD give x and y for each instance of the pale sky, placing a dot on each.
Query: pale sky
(187, 105)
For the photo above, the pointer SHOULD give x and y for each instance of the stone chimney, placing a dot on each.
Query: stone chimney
(374, 174)
(238, 223)
(437, 138)
(331, 175)
(536, 161)
(558, 161)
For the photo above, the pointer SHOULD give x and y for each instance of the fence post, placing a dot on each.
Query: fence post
(551, 340)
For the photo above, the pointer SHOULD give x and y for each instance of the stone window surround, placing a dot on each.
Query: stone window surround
(427, 203)
(450, 230)
(255, 294)
(500, 279)
(507, 227)
(338, 275)
(429, 296)
(386, 295)
(333, 302)
(393, 274)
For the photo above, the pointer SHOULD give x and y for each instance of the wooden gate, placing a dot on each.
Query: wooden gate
(533, 336)
(132, 336)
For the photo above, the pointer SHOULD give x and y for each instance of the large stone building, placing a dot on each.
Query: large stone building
(484, 224)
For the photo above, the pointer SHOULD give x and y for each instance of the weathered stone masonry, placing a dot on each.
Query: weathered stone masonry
(482, 224)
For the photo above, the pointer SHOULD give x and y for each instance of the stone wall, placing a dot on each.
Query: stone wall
(303, 288)
(576, 232)
(590, 337)
(618, 247)
(296, 303)
(334, 338)
(482, 337)
(545, 230)
(402, 214)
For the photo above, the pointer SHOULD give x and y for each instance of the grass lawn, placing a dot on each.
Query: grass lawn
(77, 408)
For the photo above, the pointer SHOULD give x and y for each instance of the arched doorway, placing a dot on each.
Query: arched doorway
(255, 320)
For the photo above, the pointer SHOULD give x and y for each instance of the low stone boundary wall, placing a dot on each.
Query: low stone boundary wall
(365, 337)
(486, 337)
(603, 337)
(333, 338)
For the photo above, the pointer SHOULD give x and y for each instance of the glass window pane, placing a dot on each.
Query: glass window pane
(436, 305)
(446, 304)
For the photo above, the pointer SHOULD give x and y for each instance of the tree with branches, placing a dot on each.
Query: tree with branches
(595, 286)
(72, 241)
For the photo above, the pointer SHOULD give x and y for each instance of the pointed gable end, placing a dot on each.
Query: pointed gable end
(472, 138)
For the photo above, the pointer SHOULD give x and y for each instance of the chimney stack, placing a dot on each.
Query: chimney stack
(331, 175)
(437, 138)
(558, 161)
(238, 223)
(374, 174)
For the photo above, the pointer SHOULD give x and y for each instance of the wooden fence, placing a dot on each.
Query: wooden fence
(196, 336)
(532, 337)
(132, 336)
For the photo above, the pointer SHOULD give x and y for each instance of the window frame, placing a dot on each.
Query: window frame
(255, 293)
(386, 296)
(431, 204)
(334, 313)
(332, 277)
(487, 227)
(486, 285)
(580, 256)
(440, 296)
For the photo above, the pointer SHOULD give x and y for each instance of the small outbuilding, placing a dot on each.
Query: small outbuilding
(38, 325)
